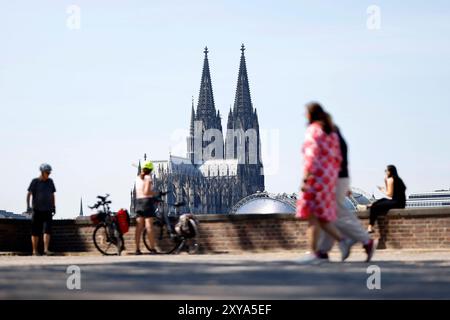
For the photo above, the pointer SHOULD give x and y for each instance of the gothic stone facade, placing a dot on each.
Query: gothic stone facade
(212, 182)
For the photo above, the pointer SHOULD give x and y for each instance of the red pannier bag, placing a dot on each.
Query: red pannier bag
(97, 218)
(123, 220)
(94, 219)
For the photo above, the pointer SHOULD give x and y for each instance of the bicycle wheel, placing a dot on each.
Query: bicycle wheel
(107, 244)
(164, 243)
(119, 240)
(192, 247)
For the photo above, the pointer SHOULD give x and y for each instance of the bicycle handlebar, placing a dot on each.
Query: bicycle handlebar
(103, 198)
(101, 202)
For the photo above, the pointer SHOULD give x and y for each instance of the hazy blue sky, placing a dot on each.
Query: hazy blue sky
(92, 101)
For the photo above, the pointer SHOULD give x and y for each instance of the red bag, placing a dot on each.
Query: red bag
(98, 217)
(123, 220)
(94, 219)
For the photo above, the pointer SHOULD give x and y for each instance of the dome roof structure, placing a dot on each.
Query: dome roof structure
(265, 203)
(358, 200)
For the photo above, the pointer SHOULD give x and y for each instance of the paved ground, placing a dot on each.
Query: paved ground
(404, 275)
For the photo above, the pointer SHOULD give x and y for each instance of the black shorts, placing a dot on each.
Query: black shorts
(41, 222)
(145, 208)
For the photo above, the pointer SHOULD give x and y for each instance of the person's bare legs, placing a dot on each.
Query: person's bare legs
(314, 229)
(138, 232)
(344, 245)
(34, 244)
(315, 226)
(46, 242)
(331, 230)
(150, 232)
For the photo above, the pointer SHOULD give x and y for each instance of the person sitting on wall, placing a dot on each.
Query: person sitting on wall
(394, 189)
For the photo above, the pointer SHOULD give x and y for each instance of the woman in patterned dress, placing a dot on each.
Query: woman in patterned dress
(322, 159)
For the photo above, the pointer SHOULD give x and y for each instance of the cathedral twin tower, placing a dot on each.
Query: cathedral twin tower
(242, 138)
(215, 175)
(242, 141)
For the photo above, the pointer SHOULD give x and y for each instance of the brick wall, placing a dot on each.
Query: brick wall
(409, 228)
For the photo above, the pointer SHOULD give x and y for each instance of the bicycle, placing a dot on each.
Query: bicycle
(174, 232)
(107, 234)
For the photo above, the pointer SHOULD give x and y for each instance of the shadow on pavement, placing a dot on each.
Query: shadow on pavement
(230, 280)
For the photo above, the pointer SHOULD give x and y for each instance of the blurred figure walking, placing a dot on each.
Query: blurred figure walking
(317, 199)
(347, 222)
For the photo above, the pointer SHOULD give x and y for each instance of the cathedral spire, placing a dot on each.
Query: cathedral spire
(191, 131)
(219, 121)
(242, 101)
(81, 208)
(230, 119)
(206, 110)
(244, 117)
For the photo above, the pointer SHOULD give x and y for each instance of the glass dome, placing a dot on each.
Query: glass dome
(358, 199)
(349, 205)
(265, 206)
(265, 203)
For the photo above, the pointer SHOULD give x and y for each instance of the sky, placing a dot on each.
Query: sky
(92, 100)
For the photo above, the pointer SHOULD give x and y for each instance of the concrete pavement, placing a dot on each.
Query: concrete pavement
(405, 274)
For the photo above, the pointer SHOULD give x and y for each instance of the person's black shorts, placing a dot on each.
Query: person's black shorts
(145, 208)
(41, 222)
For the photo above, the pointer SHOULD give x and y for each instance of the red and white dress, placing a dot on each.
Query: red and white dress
(322, 161)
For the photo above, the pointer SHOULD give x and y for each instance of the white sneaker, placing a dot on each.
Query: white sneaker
(309, 258)
(345, 246)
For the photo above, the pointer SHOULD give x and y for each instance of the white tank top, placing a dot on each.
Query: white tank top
(140, 183)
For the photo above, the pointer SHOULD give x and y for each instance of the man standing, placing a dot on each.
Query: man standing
(347, 222)
(42, 191)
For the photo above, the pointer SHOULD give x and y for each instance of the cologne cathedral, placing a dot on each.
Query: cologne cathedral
(212, 180)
